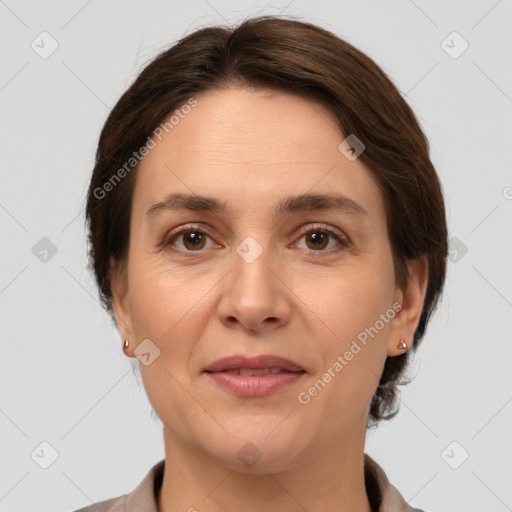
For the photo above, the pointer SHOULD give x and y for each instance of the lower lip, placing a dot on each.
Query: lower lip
(255, 385)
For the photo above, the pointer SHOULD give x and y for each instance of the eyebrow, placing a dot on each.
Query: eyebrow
(286, 205)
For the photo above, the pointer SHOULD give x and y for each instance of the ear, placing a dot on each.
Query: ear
(119, 290)
(411, 298)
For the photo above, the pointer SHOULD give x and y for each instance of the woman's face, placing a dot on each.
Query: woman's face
(272, 273)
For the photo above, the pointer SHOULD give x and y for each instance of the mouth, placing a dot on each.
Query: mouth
(257, 376)
(245, 363)
(251, 372)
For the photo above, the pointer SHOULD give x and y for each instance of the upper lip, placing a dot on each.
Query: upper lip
(256, 363)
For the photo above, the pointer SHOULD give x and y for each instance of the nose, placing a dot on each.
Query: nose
(254, 296)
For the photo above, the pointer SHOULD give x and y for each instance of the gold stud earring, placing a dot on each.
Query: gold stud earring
(125, 344)
(402, 344)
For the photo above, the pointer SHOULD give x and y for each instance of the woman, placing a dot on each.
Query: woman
(269, 233)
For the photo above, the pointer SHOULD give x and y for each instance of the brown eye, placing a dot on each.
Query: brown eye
(318, 240)
(188, 239)
(193, 240)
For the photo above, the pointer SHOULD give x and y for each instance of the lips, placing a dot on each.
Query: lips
(254, 376)
(251, 372)
(247, 366)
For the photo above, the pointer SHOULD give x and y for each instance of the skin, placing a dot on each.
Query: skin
(251, 148)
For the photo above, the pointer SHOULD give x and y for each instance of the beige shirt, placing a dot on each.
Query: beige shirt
(382, 495)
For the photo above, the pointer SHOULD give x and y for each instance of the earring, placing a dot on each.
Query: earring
(402, 344)
(125, 344)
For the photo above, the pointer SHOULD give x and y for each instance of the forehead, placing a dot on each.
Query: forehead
(251, 147)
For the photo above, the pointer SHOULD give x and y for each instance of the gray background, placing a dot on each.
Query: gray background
(63, 377)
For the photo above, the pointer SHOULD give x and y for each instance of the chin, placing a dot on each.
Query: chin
(257, 446)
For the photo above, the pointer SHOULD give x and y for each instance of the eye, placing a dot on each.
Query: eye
(192, 238)
(318, 237)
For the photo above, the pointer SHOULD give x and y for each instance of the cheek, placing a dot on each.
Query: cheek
(348, 300)
(355, 309)
(168, 306)
(156, 295)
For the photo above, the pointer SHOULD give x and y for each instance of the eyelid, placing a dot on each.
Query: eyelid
(339, 235)
(311, 226)
(185, 228)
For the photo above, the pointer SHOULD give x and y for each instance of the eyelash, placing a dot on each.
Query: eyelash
(315, 228)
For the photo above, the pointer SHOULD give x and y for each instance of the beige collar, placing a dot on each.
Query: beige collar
(383, 496)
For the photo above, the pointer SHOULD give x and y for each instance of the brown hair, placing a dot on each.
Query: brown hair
(295, 57)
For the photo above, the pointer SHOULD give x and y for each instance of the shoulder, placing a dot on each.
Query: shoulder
(110, 505)
(384, 496)
(142, 499)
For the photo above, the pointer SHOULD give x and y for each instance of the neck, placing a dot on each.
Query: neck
(332, 482)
